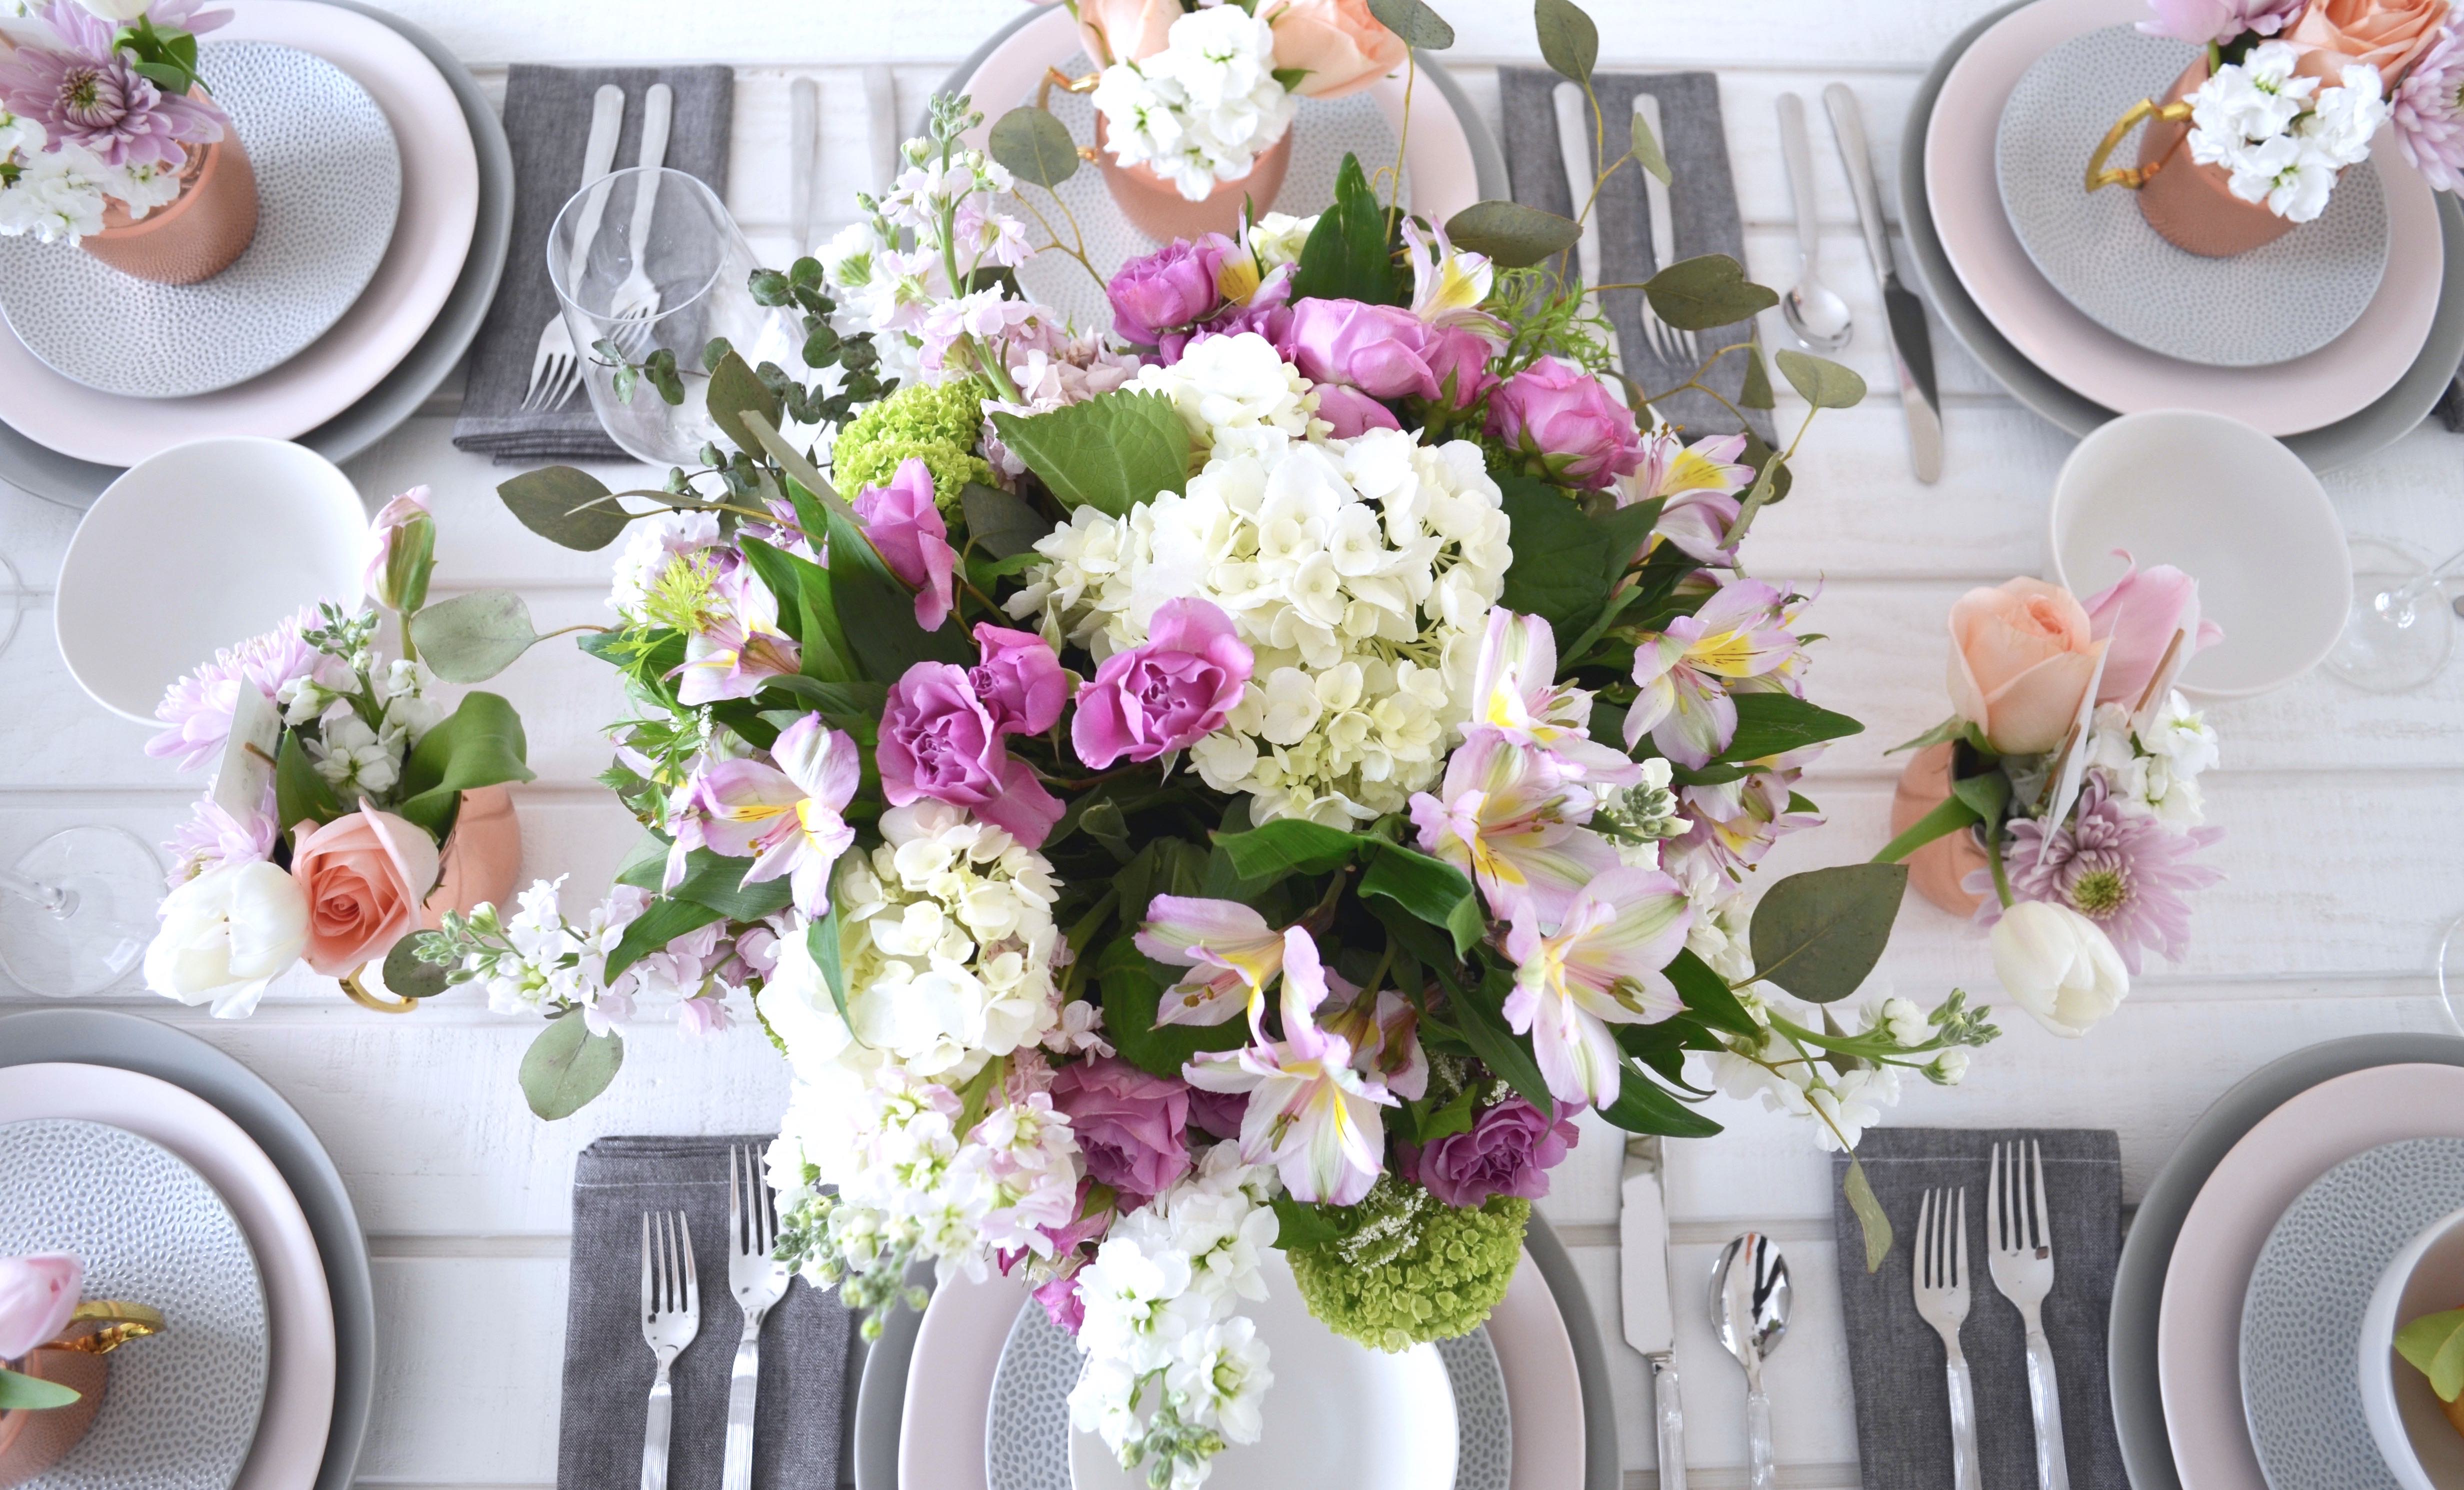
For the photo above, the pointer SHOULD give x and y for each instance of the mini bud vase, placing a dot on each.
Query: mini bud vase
(197, 235)
(2190, 206)
(32, 1442)
(1936, 870)
(1155, 206)
(476, 866)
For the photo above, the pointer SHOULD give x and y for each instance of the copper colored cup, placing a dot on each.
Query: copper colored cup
(1155, 207)
(2191, 205)
(480, 859)
(198, 235)
(32, 1442)
(1935, 871)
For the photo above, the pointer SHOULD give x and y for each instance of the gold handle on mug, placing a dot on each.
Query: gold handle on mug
(2133, 177)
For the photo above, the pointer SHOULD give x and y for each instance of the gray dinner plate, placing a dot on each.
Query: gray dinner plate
(2394, 416)
(48, 473)
(2147, 1247)
(102, 1037)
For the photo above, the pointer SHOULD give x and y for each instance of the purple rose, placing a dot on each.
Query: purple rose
(906, 527)
(1129, 1124)
(1173, 287)
(1166, 695)
(1509, 1151)
(1461, 354)
(1562, 414)
(1379, 349)
(1019, 680)
(1351, 411)
(938, 740)
(1218, 1113)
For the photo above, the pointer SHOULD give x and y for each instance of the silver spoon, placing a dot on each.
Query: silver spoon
(1750, 1296)
(1812, 309)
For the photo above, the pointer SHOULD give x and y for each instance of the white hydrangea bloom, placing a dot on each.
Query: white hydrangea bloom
(1235, 391)
(1202, 110)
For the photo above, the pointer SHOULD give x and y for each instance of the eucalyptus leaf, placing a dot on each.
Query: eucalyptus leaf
(409, 975)
(1035, 146)
(1647, 153)
(564, 506)
(1758, 390)
(567, 1065)
(1514, 235)
(1871, 1219)
(1000, 523)
(1569, 41)
(1820, 382)
(1707, 290)
(471, 638)
(1818, 933)
(1416, 23)
(1111, 452)
(818, 493)
(736, 391)
(31, 1393)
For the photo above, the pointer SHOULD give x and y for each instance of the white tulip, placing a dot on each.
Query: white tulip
(226, 934)
(2059, 965)
(127, 12)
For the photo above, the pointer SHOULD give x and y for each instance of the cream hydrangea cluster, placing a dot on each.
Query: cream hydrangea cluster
(2156, 769)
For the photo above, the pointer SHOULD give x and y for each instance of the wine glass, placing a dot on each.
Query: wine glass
(14, 596)
(2450, 974)
(2400, 630)
(77, 910)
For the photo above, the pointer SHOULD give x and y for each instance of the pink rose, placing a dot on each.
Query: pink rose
(1509, 1151)
(403, 542)
(1351, 411)
(1129, 1124)
(2021, 657)
(1563, 415)
(1061, 1302)
(1338, 43)
(1166, 695)
(364, 876)
(1020, 681)
(2137, 616)
(1177, 285)
(2200, 22)
(906, 526)
(1124, 31)
(2389, 34)
(37, 1294)
(938, 740)
(1385, 351)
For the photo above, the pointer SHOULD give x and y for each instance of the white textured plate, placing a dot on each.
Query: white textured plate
(181, 1408)
(2303, 1318)
(2273, 304)
(329, 188)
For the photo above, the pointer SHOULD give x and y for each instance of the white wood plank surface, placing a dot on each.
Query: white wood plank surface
(2342, 809)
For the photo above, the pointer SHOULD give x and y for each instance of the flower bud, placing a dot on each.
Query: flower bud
(405, 537)
(2059, 965)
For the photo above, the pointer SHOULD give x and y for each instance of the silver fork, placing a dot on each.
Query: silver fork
(1941, 1268)
(555, 369)
(671, 1317)
(2022, 1264)
(1677, 348)
(635, 304)
(756, 1279)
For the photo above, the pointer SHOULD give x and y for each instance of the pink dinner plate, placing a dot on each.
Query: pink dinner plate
(958, 1346)
(2198, 1339)
(2340, 379)
(440, 211)
(300, 1382)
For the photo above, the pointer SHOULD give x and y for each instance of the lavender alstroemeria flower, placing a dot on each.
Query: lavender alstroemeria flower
(1684, 671)
(1515, 691)
(782, 817)
(1507, 817)
(740, 646)
(1232, 951)
(1601, 966)
(87, 93)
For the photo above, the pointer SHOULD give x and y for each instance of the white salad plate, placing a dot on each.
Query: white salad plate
(2407, 1421)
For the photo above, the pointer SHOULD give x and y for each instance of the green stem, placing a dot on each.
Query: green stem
(2001, 877)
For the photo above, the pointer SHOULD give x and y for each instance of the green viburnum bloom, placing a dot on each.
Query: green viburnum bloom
(939, 424)
(1409, 1267)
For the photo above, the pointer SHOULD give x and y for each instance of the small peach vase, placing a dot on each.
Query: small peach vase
(476, 866)
(197, 235)
(1935, 871)
(1155, 206)
(2190, 206)
(32, 1442)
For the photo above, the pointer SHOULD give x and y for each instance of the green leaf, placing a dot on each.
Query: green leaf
(1647, 153)
(409, 975)
(1567, 562)
(18, 1391)
(1989, 794)
(1818, 933)
(1948, 817)
(877, 611)
(1870, 1216)
(1133, 989)
(471, 638)
(1284, 846)
(173, 78)
(1035, 146)
(735, 390)
(807, 607)
(1301, 1224)
(1951, 729)
(816, 493)
(2431, 1340)
(1569, 41)
(1514, 235)
(1416, 23)
(661, 923)
(1712, 290)
(859, 700)
(564, 506)
(998, 522)
(821, 940)
(1818, 380)
(1430, 888)
(479, 744)
(1478, 1015)
(1757, 391)
(712, 881)
(1291, 78)
(567, 1065)
(1429, 945)
(1708, 996)
(300, 792)
(1644, 1107)
(1429, 1125)
(1111, 452)
(1774, 724)
(1350, 254)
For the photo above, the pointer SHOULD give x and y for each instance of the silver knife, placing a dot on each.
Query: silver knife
(1650, 1327)
(1911, 343)
(881, 105)
(804, 138)
(1574, 151)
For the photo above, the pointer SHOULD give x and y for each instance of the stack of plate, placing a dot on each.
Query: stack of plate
(975, 1396)
(386, 192)
(183, 1181)
(2238, 1307)
(2337, 339)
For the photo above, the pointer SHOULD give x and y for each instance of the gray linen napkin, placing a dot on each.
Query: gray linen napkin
(1702, 203)
(607, 1368)
(2450, 408)
(547, 120)
(1895, 1358)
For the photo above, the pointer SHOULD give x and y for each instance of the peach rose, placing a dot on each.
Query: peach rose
(1338, 43)
(2021, 660)
(1124, 31)
(2389, 34)
(364, 876)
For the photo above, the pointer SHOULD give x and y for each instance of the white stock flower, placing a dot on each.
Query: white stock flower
(354, 758)
(1278, 238)
(1222, 1370)
(1202, 110)
(2059, 965)
(2258, 98)
(2157, 773)
(1230, 388)
(2346, 118)
(226, 934)
(58, 195)
(407, 690)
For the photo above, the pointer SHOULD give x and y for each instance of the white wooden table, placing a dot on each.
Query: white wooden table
(2344, 811)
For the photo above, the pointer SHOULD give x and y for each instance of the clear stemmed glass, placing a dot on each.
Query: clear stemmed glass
(78, 910)
(13, 596)
(2400, 631)
(2450, 974)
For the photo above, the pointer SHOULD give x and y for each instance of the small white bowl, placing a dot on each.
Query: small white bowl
(2421, 1447)
(200, 548)
(2234, 510)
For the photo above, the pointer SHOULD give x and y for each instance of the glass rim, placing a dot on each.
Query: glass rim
(559, 265)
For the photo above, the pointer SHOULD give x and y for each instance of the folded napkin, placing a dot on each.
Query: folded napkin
(1895, 1358)
(2451, 405)
(1702, 204)
(607, 1368)
(547, 120)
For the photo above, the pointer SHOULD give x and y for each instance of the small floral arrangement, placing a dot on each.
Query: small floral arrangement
(2077, 766)
(99, 104)
(340, 781)
(38, 1295)
(2297, 89)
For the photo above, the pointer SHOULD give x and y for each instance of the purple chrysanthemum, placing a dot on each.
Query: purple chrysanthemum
(199, 707)
(2122, 870)
(2429, 111)
(89, 93)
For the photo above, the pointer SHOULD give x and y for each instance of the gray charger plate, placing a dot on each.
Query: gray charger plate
(71, 482)
(881, 1392)
(2147, 1247)
(2395, 414)
(102, 1037)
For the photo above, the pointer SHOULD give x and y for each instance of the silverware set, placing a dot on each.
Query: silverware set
(555, 368)
(672, 1312)
(1677, 348)
(2021, 1260)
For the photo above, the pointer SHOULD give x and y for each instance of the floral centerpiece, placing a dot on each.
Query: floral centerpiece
(350, 805)
(1247, 783)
